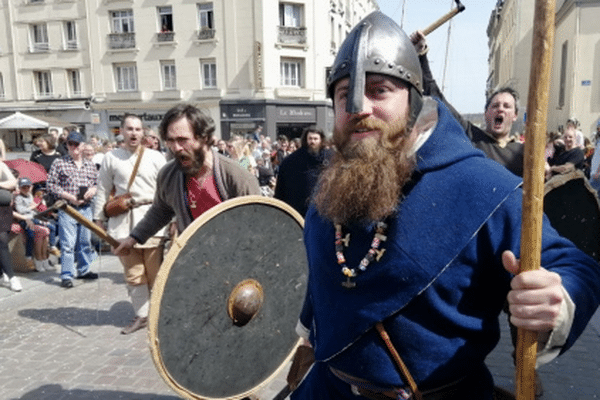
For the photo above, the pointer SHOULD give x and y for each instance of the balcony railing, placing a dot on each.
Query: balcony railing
(206, 34)
(165, 36)
(71, 45)
(121, 40)
(40, 47)
(292, 35)
(45, 95)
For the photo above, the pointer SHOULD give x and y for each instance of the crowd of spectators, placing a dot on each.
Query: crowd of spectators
(261, 156)
(254, 152)
(572, 150)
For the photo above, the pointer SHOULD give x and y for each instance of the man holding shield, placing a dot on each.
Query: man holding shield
(412, 243)
(197, 179)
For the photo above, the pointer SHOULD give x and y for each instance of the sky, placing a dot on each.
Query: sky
(466, 66)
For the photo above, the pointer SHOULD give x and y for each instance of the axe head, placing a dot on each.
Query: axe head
(58, 205)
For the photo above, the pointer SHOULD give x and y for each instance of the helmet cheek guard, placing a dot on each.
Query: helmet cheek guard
(376, 45)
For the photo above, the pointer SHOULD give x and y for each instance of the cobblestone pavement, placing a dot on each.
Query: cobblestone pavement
(65, 344)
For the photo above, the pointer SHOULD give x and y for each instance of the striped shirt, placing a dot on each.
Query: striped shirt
(65, 176)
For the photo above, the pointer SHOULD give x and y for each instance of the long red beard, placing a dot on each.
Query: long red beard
(365, 178)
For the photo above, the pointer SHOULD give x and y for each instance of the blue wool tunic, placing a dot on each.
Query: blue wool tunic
(440, 286)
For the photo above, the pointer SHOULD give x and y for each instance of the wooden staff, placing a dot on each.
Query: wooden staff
(443, 19)
(533, 179)
(62, 205)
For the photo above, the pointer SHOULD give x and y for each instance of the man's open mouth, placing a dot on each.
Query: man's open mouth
(498, 120)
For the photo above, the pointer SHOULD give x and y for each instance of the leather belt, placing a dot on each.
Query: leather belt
(370, 391)
(85, 205)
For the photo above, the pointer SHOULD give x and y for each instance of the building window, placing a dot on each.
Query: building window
(39, 38)
(122, 21)
(291, 29)
(70, 31)
(74, 82)
(291, 73)
(169, 77)
(165, 18)
(165, 24)
(209, 73)
(205, 13)
(206, 21)
(563, 74)
(290, 15)
(126, 77)
(43, 83)
(122, 35)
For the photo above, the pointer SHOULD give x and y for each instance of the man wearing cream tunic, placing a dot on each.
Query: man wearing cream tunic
(142, 263)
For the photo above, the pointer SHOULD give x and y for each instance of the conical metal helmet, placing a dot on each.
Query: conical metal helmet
(375, 45)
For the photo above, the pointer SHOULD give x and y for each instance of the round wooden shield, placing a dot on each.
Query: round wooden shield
(573, 208)
(226, 301)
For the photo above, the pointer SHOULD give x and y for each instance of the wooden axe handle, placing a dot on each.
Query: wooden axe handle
(443, 19)
(62, 205)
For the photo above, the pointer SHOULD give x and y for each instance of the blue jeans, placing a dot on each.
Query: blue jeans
(52, 239)
(75, 241)
(30, 235)
(29, 239)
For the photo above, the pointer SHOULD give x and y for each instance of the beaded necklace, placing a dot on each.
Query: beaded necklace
(374, 252)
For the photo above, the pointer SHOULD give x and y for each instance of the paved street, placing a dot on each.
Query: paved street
(65, 344)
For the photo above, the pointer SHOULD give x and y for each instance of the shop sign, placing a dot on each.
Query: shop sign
(258, 65)
(145, 117)
(296, 114)
(242, 111)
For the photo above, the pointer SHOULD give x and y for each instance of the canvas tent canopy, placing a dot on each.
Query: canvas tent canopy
(19, 120)
(18, 130)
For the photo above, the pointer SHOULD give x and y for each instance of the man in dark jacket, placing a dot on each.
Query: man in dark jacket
(299, 171)
(501, 111)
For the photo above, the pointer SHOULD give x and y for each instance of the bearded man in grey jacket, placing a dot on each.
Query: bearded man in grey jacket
(197, 179)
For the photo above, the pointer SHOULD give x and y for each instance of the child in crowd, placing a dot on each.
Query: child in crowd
(37, 232)
(39, 198)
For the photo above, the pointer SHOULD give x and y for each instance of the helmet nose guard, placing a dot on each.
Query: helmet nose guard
(376, 45)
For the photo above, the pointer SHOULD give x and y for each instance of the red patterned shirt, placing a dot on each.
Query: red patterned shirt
(201, 196)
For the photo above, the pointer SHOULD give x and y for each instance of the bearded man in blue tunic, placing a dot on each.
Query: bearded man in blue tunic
(412, 242)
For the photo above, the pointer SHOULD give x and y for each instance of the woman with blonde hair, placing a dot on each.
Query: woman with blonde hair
(239, 150)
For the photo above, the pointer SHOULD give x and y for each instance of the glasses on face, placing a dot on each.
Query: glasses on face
(74, 144)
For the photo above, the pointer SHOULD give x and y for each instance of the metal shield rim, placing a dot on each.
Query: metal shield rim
(161, 280)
